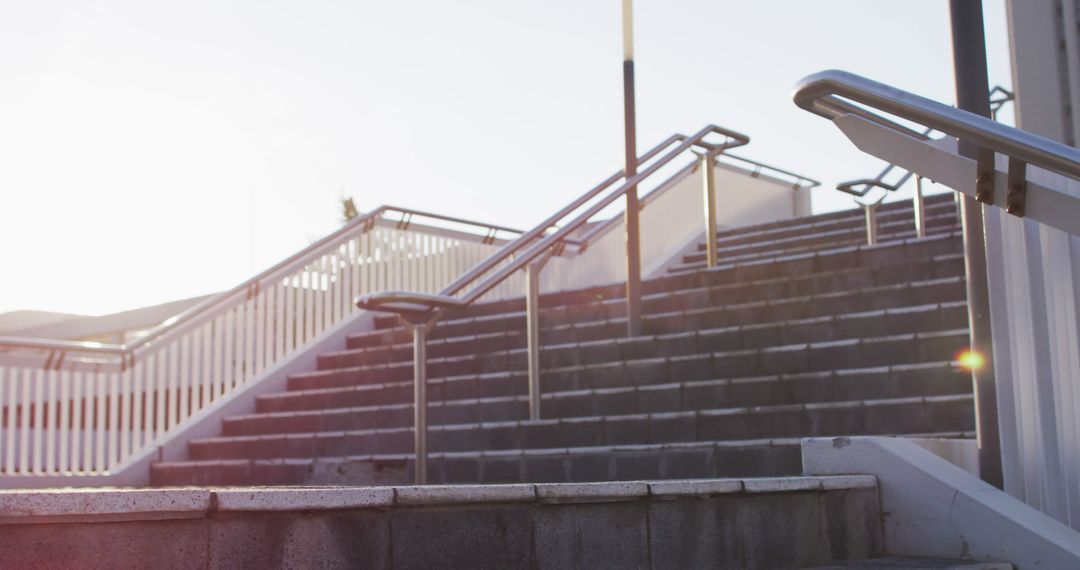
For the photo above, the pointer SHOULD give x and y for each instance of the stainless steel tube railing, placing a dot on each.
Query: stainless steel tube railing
(411, 303)
(529, 251)
(833, 93)
(801, 182)
(854, 103)
(798, 182)
(859, 188)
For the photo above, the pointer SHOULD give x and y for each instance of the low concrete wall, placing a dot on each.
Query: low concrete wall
(729, 523)
(933, 508)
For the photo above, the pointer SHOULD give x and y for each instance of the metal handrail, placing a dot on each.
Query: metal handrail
(801, 182)
(821, 93)
(871, 183)
(998, 96)
(530, 252)
(420, 305)
(878, 181)
(508, 249)
(253, 284)
(827, 94)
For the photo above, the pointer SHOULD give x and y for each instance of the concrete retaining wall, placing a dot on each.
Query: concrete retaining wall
(933, 508)
(725, 523)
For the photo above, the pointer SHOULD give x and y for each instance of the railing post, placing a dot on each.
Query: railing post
(920, 209)
(871, 223)
(420, 329)
(708, 170)
(532, 324)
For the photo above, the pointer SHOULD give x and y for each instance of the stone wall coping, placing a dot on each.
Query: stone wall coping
(110, 504)
(302, 499)
(464, 494)
(81, 505)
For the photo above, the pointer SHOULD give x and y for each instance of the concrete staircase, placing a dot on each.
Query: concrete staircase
(801, 331)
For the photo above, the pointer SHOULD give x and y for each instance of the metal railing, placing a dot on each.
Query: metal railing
(531, 251)
(90, 408)
(832, 94)
(855, 105)
(755, 169)
(859, 188)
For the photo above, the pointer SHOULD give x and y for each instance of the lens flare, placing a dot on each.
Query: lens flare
(971, 359)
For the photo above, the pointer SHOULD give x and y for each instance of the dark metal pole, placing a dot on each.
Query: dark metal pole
(633, 230)
(973, 94)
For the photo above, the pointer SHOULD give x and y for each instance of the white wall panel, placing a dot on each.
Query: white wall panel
(1034, 274)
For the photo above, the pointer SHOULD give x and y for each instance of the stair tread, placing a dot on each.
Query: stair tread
(803, 329)
(742, 410)
(907, 563)
(799, 299)
(598, 449)
(552, 396)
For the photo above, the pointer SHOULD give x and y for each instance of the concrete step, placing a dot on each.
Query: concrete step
(843, 353)
(564, 465)
(605, 344)
(330, 410)
(825, 222)
(902, 415)
(883, 254)
(347, 367)
(839, 246)
(834, 238)
(563, 392)
(936, 217)
(693, 460)
(904, 563)
(567, 324)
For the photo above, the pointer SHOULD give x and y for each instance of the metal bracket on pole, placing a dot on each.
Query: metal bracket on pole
(420, 325)
(1016, 198)
(984, 177)
(532, 325)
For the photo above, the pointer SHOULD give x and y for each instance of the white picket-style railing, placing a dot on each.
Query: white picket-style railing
(85, 408)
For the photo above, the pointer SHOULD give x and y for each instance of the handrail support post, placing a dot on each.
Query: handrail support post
(708, 169)
(532, 323)
(920, 209)
(420, 326)
(871, 223)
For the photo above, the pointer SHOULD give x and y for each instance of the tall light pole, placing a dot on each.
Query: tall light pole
(973, 94)
(633, 230)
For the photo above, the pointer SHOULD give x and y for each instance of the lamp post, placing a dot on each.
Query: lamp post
(633, 230)
(973, 94)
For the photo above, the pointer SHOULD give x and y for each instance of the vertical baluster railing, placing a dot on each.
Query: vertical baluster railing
(90, 416)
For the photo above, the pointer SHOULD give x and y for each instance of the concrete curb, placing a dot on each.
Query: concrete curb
(91, 505)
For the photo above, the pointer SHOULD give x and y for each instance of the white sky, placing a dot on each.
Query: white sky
(151, 151)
